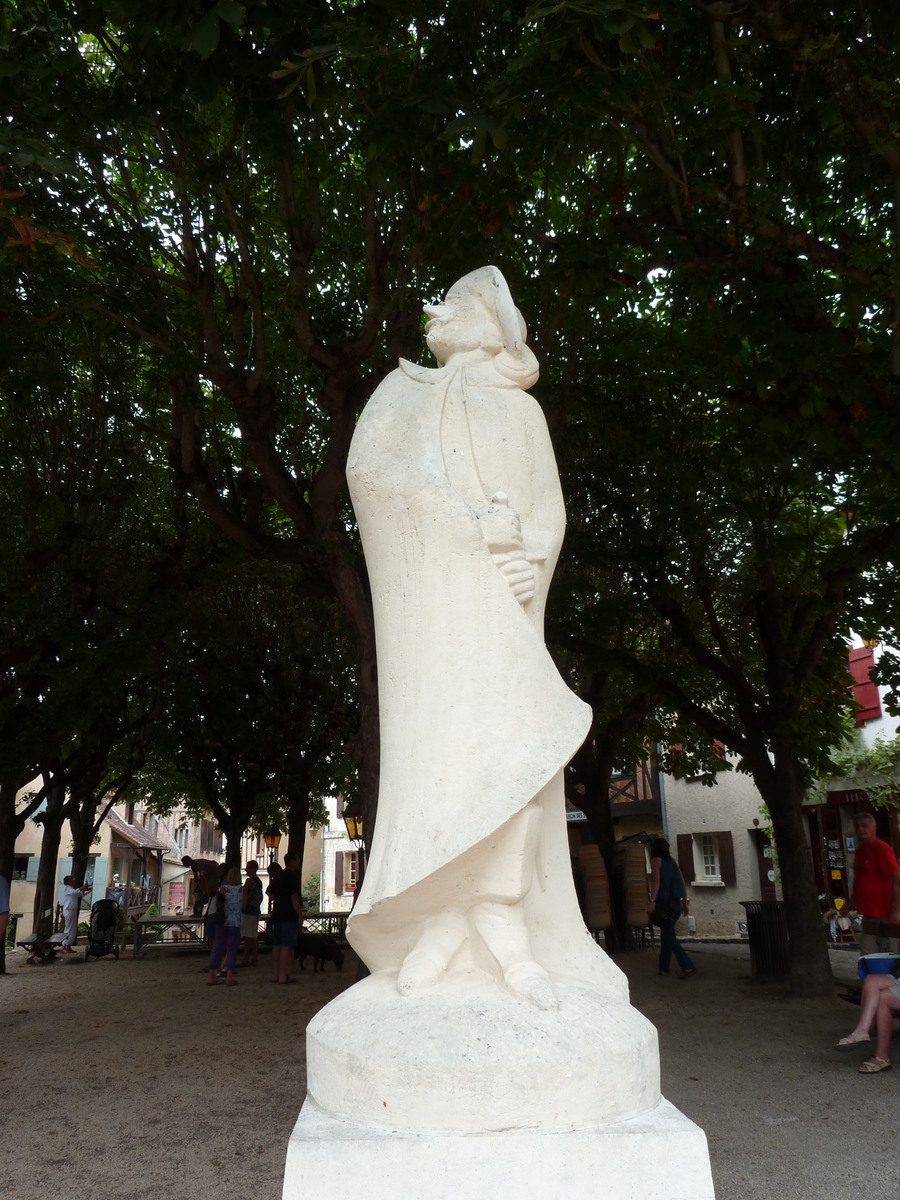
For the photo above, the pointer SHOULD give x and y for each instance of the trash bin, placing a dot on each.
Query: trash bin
(767, 933)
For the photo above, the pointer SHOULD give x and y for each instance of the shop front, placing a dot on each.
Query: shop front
(832, 840)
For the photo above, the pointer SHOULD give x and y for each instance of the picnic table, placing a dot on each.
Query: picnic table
(185, 922)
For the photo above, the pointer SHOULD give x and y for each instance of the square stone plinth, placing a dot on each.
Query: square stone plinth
(658, 1156)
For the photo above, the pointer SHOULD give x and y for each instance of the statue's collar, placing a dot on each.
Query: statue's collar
(476, 374)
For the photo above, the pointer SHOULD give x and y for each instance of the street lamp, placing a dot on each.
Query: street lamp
(272, 838)
(353, 820)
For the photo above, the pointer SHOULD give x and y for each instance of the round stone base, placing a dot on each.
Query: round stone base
(469, 1055)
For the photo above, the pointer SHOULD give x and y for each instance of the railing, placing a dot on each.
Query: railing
(334, 924)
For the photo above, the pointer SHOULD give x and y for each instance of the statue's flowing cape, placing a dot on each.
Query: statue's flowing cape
(475, 719)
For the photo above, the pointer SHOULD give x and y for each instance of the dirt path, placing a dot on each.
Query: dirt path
(134, 1081)
(785, 1115)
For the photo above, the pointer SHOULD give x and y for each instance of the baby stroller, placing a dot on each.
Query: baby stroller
(102, 929)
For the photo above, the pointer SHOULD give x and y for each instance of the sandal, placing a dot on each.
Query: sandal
(875, 1065)
(852, 1040)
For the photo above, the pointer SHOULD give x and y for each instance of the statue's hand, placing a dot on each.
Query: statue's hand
(517, 572)
(502, 531)
(500, 526)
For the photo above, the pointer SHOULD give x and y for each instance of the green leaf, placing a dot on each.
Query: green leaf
(232, 12)
(618, 22)
(206, 35)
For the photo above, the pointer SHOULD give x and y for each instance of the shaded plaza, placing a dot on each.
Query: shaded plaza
(130, 1080)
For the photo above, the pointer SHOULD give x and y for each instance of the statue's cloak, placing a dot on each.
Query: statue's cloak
(475, 719)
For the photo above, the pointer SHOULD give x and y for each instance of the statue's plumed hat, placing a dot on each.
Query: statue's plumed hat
(488, 287)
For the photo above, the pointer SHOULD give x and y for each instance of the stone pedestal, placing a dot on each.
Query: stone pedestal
(471, 1056)
(660, 1155)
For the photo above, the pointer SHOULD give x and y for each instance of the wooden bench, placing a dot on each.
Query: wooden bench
(51, 945)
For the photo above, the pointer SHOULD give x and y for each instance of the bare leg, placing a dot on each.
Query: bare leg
(285, 955)
(873, 986)
(884, 1020)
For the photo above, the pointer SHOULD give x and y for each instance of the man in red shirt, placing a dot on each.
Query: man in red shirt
(876, 883)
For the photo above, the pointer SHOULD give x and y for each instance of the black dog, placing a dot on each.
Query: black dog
(321, 947)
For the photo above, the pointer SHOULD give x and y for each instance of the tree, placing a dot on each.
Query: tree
(698, 205)
(731, 425)
(94, 545)
(266, 245)
(256, 706)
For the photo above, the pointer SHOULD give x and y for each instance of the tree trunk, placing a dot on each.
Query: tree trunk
(234, 822)
(10, 829)
(52, 819)
(81, 824)
(592, 766)
(357, 604)
(298, 815)
(781, 786)
(234, 834)
(369, 740)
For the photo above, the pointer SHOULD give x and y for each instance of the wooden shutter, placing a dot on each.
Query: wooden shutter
(686, 857)
(339, 808)
(339, 873)
(727, 872)
(865, 692)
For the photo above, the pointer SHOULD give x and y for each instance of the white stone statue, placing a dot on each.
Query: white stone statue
(490, 1008)
(461, 515)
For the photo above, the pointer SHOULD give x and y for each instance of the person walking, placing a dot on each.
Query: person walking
(876, 886)
(668, 901)
(252, 897)
(287, 914)
(71, 906)
(228, 927)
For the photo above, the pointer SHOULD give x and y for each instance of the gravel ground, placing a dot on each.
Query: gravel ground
(785, 1115)
(130, 1080)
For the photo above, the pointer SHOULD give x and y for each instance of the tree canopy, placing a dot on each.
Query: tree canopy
(697, 210)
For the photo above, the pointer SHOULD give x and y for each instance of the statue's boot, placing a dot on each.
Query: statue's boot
(441, 936)
(502, 927)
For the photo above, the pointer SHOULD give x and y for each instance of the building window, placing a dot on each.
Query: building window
(210, 838)
(710, 856)
(346, 871)
(20, 866)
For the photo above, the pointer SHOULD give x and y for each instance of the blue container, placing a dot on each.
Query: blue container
(876, 964)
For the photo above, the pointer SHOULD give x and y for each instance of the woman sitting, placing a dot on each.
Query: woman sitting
(880, 1000)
